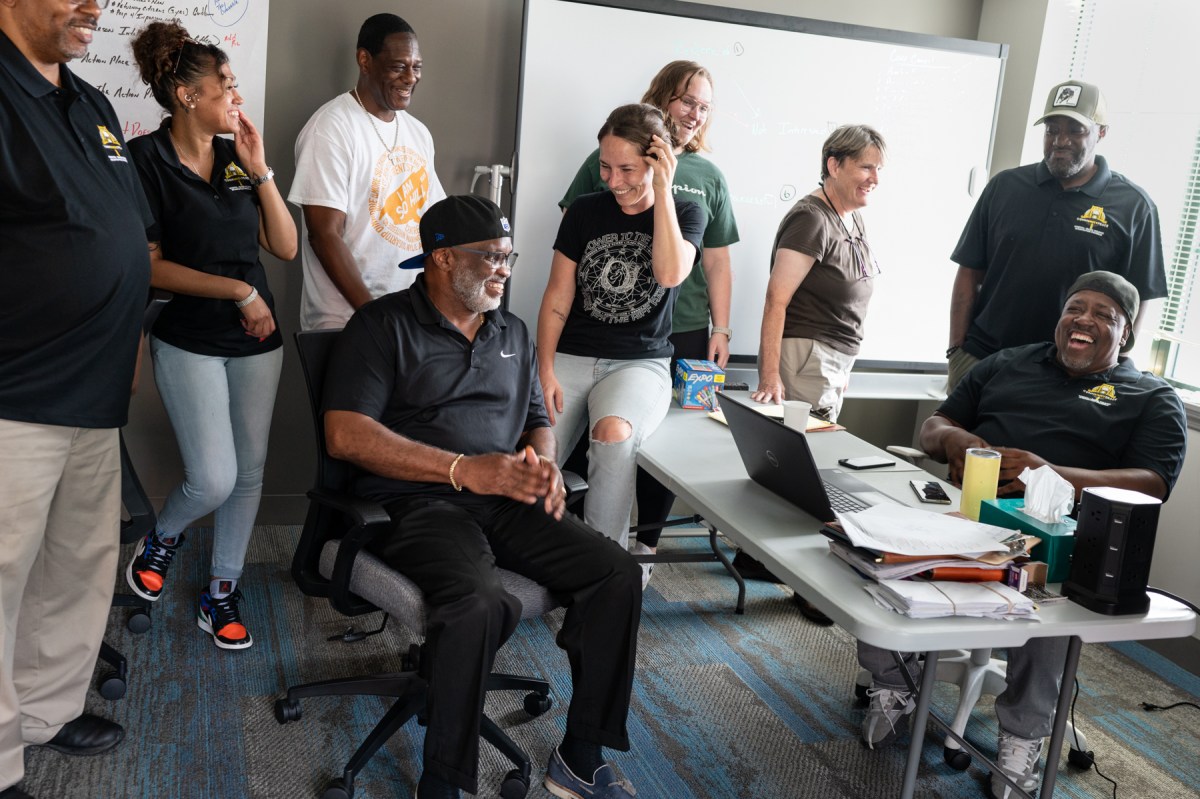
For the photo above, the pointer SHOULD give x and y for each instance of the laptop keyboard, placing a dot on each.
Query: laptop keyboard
(842, 502)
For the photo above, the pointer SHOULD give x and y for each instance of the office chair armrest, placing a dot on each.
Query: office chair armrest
(370, 519)
(363, 512)
(574, 484)
(910, 454)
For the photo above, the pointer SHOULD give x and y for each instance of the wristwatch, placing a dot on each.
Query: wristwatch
(265, 177)
(728, 331)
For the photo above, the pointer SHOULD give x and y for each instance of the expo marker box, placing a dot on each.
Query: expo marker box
(696, 383)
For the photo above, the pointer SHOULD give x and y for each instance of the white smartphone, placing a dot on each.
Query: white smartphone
(867, 462)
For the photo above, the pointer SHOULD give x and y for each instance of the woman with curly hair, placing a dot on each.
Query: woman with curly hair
(216, 348)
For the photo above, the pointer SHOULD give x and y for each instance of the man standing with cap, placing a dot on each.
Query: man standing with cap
(433, 393)
(364, 176)
(1079, 407)
(74, 272)
(1038, 227)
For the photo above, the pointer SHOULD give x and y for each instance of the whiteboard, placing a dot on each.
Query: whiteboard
(781, 85)
(239, 27)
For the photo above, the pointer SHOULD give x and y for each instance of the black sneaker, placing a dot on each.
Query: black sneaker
(221, 619)
(147, 572)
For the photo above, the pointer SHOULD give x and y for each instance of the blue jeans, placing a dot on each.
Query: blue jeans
(638, 391)
(221, 410)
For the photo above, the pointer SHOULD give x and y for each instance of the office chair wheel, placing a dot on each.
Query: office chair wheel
(514, 786)
(112, 686)
(860, 695)
(338, 789)
(536, 704)
(411, 660)
(1080, 759)
(287, 710)
(138, 622)
(957, 759)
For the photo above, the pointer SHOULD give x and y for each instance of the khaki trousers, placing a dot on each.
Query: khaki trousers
(959, 363)
(60, 505)
(816, 373)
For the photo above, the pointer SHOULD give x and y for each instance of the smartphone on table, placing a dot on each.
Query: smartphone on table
(930, 491)
(866, 462)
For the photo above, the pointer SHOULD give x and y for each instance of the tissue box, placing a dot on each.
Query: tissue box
(696, 383)
(1058, 539)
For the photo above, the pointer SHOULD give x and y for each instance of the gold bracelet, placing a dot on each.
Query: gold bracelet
(453, 465)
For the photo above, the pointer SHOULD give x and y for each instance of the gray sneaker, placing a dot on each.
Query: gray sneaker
(887, 714)
(647, 568)
(1018, 758)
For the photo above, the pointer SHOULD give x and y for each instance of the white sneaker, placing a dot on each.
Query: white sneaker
(1018, 758)
(887, 715)
(647, 568)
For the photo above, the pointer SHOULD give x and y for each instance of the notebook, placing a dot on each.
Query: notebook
(779, 459)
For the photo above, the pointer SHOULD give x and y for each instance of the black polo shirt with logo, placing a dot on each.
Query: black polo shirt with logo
(400, 362)
(1117, 419)
(1033, 239)
(74, 270)
(211, 226)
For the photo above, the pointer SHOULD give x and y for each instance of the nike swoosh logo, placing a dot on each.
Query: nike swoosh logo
(504, 354)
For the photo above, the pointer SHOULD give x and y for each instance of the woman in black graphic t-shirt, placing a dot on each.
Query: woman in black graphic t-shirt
(603, 328)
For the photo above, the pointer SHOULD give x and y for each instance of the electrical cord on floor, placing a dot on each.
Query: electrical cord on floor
(1078, 756)
(1148, 706)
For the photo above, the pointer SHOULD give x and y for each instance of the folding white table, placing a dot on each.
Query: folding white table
(695, 458)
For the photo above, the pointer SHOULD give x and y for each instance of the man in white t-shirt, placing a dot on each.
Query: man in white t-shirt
(364, 177)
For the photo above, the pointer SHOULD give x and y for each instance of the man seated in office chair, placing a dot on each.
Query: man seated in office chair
(1077, 405)
(433, 393)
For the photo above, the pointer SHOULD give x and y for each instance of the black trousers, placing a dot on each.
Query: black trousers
(451, 548)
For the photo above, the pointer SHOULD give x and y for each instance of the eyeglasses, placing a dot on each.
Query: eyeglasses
(495, 259)
(1073, 130)
(692, 105)
(864, 262)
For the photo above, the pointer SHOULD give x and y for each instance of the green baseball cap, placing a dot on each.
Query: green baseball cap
(1077, 100)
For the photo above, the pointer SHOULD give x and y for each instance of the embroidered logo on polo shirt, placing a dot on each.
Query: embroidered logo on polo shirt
(1103, 394)
(112, 144)
(1094, 219)
(235, 178)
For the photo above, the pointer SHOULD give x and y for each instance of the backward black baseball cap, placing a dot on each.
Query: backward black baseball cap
(459, 219)
(1116, 288)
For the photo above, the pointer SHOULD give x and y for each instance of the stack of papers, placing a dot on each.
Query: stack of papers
(878, 568)
(928, 600)
(911, 531)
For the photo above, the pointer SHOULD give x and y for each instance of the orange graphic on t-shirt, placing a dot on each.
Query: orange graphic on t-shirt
(403, 206)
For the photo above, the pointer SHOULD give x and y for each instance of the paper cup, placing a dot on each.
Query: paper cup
(795, 414)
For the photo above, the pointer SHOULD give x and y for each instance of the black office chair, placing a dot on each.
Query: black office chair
(330, 561)
(139, 519)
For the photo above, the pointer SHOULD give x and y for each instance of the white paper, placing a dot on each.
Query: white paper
(911, 531)
(927, 600)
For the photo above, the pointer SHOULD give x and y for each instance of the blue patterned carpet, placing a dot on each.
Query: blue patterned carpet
(725, 706)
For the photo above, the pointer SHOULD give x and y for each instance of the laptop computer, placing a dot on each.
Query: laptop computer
(779, 459)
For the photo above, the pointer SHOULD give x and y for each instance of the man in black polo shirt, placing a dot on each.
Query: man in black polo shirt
(74, 273)
(434, 394)
(1079, 407)
(1038, 227)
